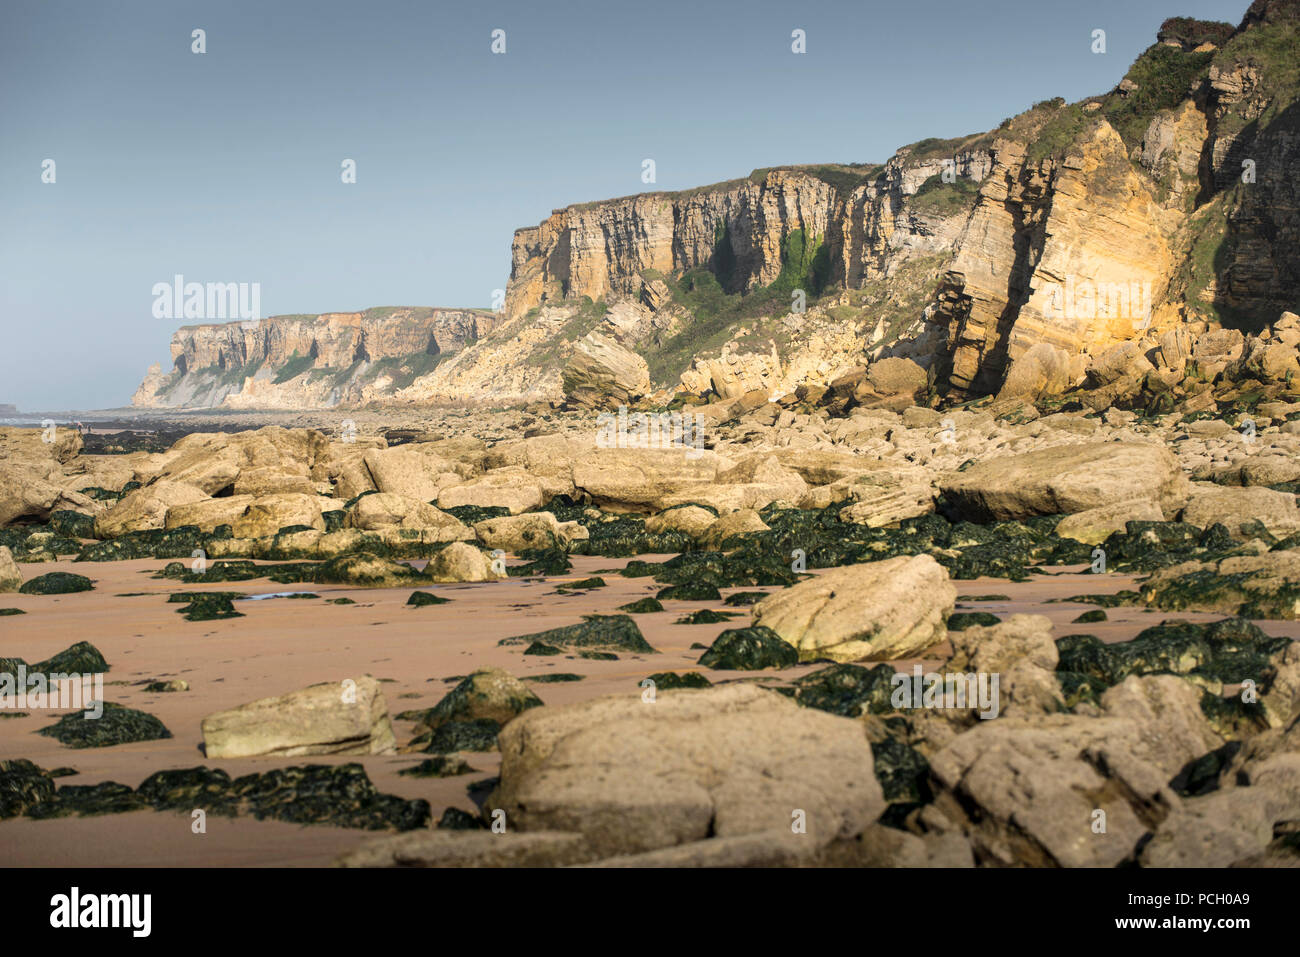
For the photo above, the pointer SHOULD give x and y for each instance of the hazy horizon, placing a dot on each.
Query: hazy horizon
(225, 166)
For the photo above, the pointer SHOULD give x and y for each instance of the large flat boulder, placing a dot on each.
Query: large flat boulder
(633, 776)
(876, 611)
(335, 717)
(1065, 479)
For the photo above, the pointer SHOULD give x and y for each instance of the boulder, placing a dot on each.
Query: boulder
(636, 479)
(145, 508)
(511, 488)
(690, 519)
(742, 522)
(461, 562)
(635, 776)
(516, 533)
(1042, 370)
(11, 577)
(1024, 790)
(1235, 507)
(896, 376)
(1067, 479)
(477, 848)
(208, 513)
(604, 374)
(270, 513)
(335, 717)
(489, 694)
(387, 510)
(875, 611)
(1094, 525)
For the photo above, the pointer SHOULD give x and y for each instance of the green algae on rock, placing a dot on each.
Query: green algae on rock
(706, 616)
(478, 734)
(454, 819)
(419, 599)
(489, 693)
(670, 680)
(690, 591)
(741, 598)
(582, 584)
(642, 606)
(555, 677)
(117, 725)
(593, 633)
(57, 583)
(1090, 617)
(441, 766)
(847, 690)
(1228, 651)
(961, 620)
(338, 795)
(207, 606)
(749, 649)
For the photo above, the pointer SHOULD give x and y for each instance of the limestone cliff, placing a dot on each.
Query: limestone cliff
(308, 361)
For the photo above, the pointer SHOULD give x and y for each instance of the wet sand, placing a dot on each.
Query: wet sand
(286, 644)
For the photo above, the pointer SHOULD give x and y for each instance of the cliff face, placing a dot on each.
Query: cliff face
(739, 230)
(308, 361)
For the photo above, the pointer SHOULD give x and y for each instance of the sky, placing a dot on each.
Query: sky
(226, 166)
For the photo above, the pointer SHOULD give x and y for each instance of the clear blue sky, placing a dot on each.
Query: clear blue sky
(225, 166)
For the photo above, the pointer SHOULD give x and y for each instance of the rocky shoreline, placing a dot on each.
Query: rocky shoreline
(714, 640)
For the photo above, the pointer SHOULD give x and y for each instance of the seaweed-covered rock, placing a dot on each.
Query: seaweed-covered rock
(1250, 586)
(368, 570)
(749, 649)
(454, 819)
(477, 734)
(547, 562)
(167, 687)
(421, 598)
(847, 690)
(83, 658)
(207, 606)
(593, 633)
(961, 620)
(57, 583)
(441, 766)
(23, 786)
(581, 585)
(117, 725)
(902, 771)
(1227, 651)
(706, 616)
(489, 693)
(642, 606)
(671, 680)
(741, 598)
(338, 795)
(690, 591)
(1090, 617)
